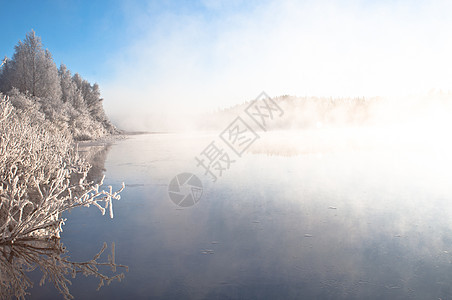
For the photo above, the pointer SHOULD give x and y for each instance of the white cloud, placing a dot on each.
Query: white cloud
(206, 59)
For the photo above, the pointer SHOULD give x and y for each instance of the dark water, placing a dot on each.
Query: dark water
(350, 224)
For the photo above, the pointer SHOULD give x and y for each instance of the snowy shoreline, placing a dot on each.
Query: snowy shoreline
(102, 141)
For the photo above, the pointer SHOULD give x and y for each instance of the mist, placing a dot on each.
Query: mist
(259, 149)
(183, 62)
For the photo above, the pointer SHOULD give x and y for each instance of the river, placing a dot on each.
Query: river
(299, 220)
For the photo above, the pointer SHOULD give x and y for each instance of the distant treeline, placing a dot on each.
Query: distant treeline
(37, 87)
(304, 112)
(315, 112)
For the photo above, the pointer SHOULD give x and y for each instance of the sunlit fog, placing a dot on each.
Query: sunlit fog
(188, 59)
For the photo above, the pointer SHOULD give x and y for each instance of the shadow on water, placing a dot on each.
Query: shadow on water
(25, 263)
(96, 156)
(51, 258)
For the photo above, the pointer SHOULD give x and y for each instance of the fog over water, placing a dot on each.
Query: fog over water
(344, 213)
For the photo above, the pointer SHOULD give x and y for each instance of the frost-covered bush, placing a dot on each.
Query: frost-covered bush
(83, 128)
(41, 176)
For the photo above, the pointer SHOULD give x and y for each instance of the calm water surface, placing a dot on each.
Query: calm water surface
(359, 223)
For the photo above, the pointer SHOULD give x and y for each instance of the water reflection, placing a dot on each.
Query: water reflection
(24, 263)
(358, 222)
(95, 154)
(51, 258)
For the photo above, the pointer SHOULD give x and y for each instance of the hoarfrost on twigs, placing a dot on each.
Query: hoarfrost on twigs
(37, 185)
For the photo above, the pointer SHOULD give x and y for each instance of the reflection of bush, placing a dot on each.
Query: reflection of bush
(49, 256)
(41, 176)
(95, 156)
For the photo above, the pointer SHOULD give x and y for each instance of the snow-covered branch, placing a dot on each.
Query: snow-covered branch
(41, 176)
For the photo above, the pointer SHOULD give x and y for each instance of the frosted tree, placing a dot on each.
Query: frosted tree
(32, 70)
(70, 93)
(91, 96)
(70, 103)
(93, 101)
(5, 84)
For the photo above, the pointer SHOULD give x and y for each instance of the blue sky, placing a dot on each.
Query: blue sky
(83, 34)
(78, 33)
(166, 58)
